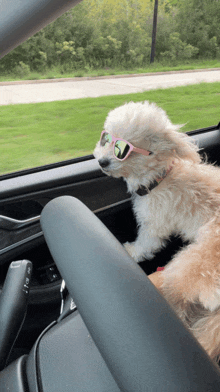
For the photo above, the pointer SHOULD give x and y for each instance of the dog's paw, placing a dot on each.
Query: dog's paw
(210, 297)
(130, 248)
(136, 253)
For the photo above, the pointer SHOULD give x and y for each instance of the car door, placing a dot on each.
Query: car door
(24, 194)
(22, 198)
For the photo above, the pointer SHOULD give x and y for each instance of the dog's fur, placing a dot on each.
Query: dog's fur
(186, 203)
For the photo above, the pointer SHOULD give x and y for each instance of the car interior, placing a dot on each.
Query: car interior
(69, 219)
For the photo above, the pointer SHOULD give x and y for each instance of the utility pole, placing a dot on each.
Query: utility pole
(154, 32)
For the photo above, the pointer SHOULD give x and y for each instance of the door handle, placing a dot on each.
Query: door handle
(7, 223)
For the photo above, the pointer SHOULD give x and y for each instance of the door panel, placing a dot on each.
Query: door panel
(24, 196)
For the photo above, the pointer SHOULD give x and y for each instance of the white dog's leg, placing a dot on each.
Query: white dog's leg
(144, 247)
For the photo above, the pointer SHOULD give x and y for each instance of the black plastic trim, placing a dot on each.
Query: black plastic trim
(73, 173)
(109, 209)
(22, 242)
(50, 166)
(113, 207)
(202, 130)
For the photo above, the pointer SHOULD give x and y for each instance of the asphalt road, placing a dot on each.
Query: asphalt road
(63, 89)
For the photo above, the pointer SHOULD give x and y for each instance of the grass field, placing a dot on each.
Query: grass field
(37, 134)
(56, 72)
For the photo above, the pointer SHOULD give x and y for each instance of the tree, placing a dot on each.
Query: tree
(154, 32)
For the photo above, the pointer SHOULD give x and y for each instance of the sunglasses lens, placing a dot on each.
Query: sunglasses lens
(105, 138)
(121, 149)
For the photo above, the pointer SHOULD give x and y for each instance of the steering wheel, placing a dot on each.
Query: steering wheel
(124, 336)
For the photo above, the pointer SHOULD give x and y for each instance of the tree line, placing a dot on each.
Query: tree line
(104, 33)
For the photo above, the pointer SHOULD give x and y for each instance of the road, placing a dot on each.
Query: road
(64, 89)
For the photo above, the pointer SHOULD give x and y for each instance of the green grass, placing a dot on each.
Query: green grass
(37, 134)
(55, 72)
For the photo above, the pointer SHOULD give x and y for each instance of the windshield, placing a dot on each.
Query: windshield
(58, 86)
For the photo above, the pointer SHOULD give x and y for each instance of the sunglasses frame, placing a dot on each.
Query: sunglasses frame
(132, 148)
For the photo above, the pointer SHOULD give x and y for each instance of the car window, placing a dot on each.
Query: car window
(104, 39)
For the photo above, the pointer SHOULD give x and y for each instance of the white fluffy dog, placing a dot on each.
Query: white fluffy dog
(173, 192)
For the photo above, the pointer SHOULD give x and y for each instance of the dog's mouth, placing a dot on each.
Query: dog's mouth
(112, 170)
(104, 170)
(108, 170)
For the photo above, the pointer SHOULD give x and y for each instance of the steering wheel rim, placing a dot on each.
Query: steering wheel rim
(143, 343)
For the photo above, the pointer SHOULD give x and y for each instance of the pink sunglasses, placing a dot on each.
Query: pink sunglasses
(121, 148)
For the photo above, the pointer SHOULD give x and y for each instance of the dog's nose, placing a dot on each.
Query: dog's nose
(104, 162)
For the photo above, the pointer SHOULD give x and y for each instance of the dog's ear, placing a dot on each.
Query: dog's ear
(184, 147)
